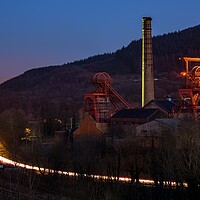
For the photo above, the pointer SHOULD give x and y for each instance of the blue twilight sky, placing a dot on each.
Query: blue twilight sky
(37, 33)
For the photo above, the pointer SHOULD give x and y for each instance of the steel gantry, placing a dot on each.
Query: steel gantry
(190, 95)
(104, 101)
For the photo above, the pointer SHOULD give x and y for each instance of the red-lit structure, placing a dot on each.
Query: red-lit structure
(190, 95)
(104, 101)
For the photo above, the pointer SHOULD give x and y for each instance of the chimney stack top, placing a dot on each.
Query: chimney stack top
(146, 18)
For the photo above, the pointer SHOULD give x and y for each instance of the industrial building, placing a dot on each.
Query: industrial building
(106, 112)
(123, 123)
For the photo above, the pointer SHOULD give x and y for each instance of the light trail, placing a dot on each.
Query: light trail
(74, 174)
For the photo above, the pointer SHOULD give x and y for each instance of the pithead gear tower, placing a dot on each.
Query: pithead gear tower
(147, 62)
(190, 95)
(104, 101)
(99, 106)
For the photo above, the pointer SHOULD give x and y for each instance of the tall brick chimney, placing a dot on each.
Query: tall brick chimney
(147, 62)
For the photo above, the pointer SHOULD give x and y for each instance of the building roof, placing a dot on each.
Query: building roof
(165, 104)
(136, 113)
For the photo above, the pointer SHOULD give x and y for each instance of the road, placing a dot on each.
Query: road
(72, 174)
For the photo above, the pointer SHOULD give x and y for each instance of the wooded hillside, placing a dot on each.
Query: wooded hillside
(67, 83)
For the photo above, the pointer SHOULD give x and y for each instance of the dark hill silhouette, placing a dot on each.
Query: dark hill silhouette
(68, 82)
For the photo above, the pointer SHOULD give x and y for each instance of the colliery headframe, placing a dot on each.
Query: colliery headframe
(190, 95)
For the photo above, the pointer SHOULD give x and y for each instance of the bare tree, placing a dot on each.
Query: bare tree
(12, 126)
(188, 153)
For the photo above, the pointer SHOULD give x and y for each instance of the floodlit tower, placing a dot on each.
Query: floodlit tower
(147, 62)
(104, 101)
(190, 95)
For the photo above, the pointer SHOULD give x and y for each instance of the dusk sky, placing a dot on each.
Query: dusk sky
(38, 33)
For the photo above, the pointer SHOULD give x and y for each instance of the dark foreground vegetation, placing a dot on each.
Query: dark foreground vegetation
(27, 185)
(169, 155)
